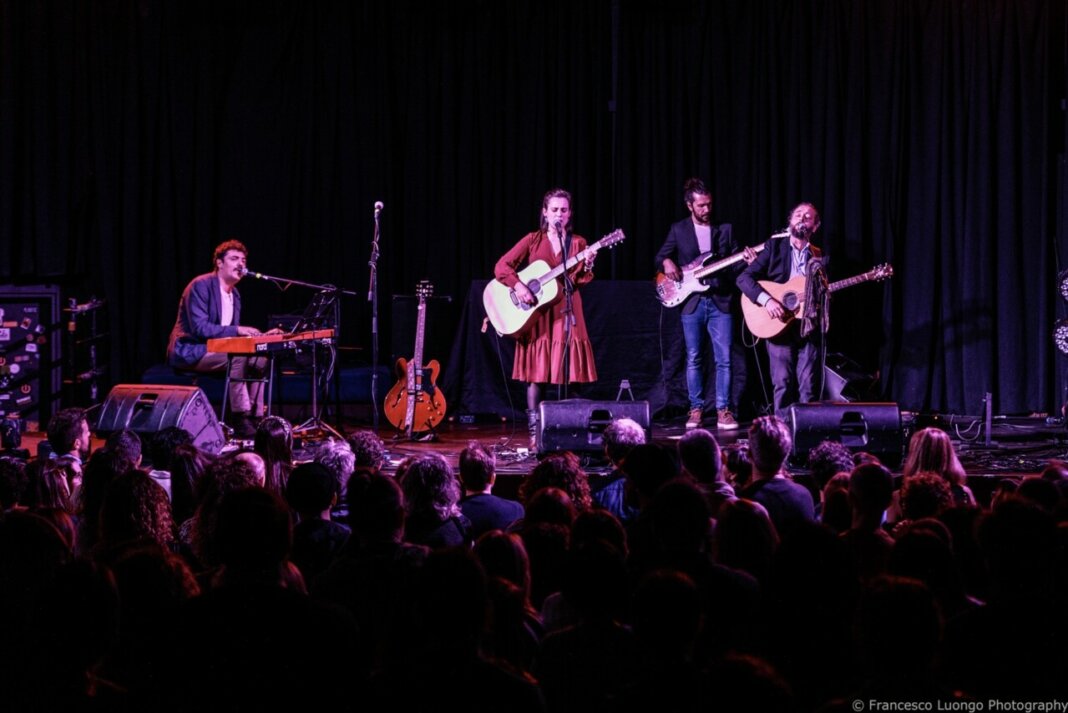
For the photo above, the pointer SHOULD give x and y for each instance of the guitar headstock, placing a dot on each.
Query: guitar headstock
(881, 272)
(612, 239)
(424, 289)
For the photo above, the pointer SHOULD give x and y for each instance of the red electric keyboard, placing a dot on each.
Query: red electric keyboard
(265, 343)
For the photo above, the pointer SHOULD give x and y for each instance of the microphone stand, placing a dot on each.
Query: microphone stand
(284, 283)
(372, 297)
(569, 315)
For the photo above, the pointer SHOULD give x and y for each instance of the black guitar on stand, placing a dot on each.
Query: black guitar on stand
(415, 404)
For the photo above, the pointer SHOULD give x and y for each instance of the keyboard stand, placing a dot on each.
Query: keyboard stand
(267, 381)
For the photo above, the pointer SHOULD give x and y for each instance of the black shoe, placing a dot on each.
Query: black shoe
(244, 428)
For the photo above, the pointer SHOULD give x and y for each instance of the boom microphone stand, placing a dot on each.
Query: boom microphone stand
(372, 297)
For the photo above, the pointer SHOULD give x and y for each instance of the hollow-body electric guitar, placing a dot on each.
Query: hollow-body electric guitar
(415, 404)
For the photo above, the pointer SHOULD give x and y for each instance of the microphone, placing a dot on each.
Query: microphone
(245, 272)
(783, 234)
(379, 205)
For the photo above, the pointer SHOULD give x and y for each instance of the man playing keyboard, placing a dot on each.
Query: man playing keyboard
(211, 308)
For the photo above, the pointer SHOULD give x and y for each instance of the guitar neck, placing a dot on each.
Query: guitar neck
(420, 328)
(725, 262)
(569, 263)
(849, 282)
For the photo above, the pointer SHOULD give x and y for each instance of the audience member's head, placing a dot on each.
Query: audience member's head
(503, 554)
(925, 494)
(311, 490)
(598, 524)
(68, 432)
(550, 505)
(135, 508)
(769, 445)
(700, 455)
(368, 450)
(827, 460)
(12, 482)
(254, 534)
(871, 488)
(163, 445)
(1040, 491)
(667, 615)
(125, 443)
(558, 470)
(376, 508)
(648, 467)
(430, 488)
(898, 628)
(255, 464)
(836, 513)
(931, 450)
(738, 464)
(477, 468)
(274, 443)
(620, 436)
(338, 458)
(187, 465)
(680, 517)
(745, 538)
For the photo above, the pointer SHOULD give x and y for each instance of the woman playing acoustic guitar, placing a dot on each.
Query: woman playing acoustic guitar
(541, 349)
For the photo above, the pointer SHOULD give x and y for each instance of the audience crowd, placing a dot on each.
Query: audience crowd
(153, 576)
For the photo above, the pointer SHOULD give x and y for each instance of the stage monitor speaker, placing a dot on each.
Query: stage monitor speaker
(149, 408)
(578, 424)
(871, 427)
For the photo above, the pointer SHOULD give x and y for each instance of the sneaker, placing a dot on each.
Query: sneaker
(694, 419)
(726, 420)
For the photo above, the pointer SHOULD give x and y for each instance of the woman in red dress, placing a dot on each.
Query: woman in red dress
(540, 350)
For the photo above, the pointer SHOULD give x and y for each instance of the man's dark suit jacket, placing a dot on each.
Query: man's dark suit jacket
(773, 263)
(199, 314)
(681, 246)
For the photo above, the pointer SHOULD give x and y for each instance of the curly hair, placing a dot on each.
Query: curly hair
(620, 436)
(222, 248)
(925, 494)
(430, 486)
(827, 460)
(559, 470)
(368, 449)
(136, 507)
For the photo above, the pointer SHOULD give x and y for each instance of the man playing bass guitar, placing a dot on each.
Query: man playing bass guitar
(793, 354)
(688, 240)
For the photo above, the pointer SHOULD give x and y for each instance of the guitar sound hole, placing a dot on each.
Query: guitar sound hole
(789, 301)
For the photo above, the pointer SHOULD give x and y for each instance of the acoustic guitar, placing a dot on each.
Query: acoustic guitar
(415, 404)
(509, 315)
(673, 293)
(791, 295)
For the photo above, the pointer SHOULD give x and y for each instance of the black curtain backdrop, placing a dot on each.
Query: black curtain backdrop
(135, 136)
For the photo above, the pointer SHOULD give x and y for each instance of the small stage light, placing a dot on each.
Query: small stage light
(1060, 336)
(1062, 284)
